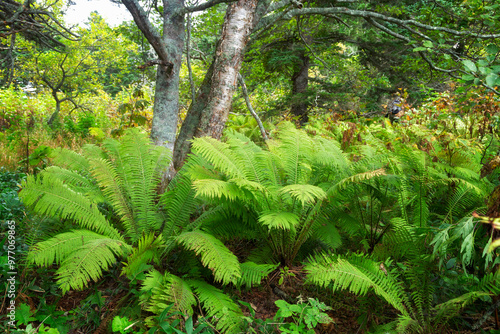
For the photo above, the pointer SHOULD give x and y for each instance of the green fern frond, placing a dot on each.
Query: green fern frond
(70, 160)
(212, 189)
(253, 273)
(220, 155)
(296, 148)
(282, 220)
(329, 154)
(179, 203)
(113, 188)
(171, 291)
(356, 273)
(58, 248)
(146, 250)
(490, 283)
(214, 255)
(304, 193)
(143, 163)
(76, 181)
(50, 196)
(219, 306)
(247, 153)
(452, 307)
(328, 234)
(357, 178)
(88, 262)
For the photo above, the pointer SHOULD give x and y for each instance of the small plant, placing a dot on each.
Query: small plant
(122, 325)
(168, 320)
(285, 274)
(305, 316)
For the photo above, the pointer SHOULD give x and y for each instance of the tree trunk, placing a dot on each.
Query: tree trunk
(208, 114)
(166, 104)
(190, 124)
(55, 115)
(168, 47)
(300, 81)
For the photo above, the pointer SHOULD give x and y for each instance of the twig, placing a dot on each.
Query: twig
(250, 108)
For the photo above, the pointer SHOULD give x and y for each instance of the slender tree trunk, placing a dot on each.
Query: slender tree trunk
(300, 81)
(55, 114)
(208, 114)
(166, 104)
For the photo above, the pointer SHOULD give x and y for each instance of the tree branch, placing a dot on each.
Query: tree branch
(149, 31)
(250, 108)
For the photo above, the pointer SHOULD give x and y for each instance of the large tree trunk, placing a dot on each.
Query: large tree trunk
(300, 81)
(166, 104)
(208, 114)
(168, 47)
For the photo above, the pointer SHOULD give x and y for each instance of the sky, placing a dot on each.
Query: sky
(113, 14)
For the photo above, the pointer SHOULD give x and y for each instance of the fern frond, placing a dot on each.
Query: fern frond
(295, 147)
(88, 262)
(114, 190)
(76, 181)
(212, 189)
(218, 154)
(59, 247)
(490, 283)
(356, 273)
(452, 307)
(179, 203)
(252, 273)
(214, 255)
(146, 250)
(49, 195)
(304, 193)
(247, 153)
(70, 160)
(171, 290)
(279, 220)
(143, 164)
(219, 306)
(357, 178)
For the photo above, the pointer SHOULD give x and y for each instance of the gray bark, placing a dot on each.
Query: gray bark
(208, 114)
(168, 47)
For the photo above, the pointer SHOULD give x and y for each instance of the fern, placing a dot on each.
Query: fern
(357, 274)
(146, 250)
(219, 306)
(214, 255)
(252, 273)
(48, 195)
(171, 290)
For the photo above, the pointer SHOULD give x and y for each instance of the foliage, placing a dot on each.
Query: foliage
(280, 193)
(305, 315)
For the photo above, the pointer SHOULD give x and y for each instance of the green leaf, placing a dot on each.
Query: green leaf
(470, 65)
(491, 79)
(428, 44)
(420, 48)
(119, 324)
(468, 77)
(492, 49)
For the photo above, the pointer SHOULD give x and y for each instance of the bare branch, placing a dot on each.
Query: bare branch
(378, 16)
(203, 6)
(250, 108)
